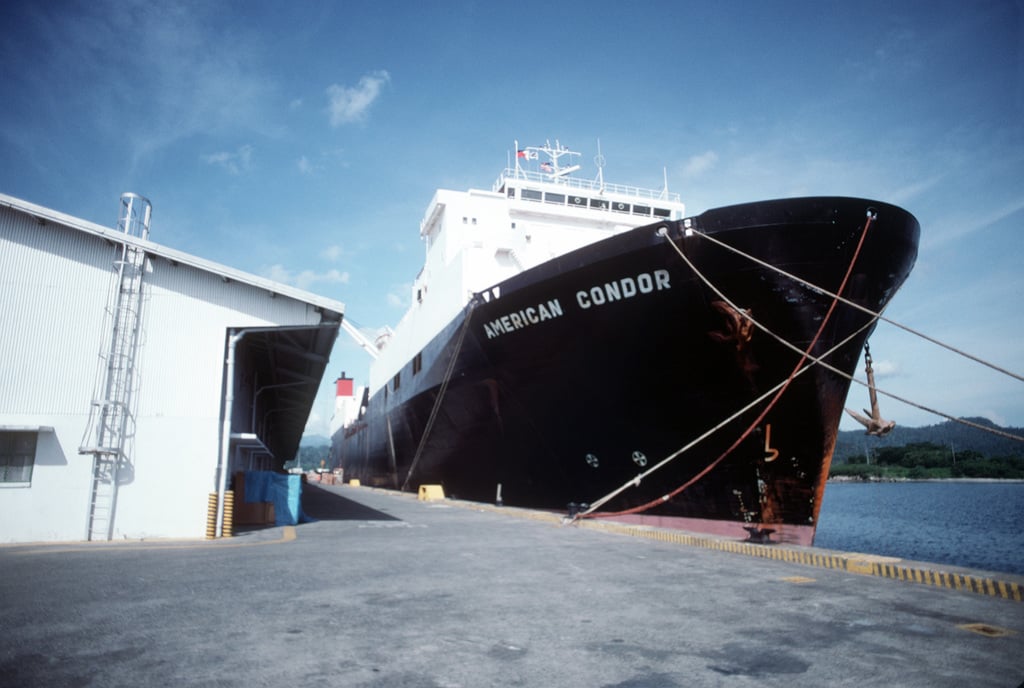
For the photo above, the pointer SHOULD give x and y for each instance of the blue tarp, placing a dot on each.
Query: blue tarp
(285, 491)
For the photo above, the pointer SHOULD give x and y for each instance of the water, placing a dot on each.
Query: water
(978, 525)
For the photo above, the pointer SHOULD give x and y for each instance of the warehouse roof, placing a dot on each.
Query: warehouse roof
(44, 215)
(290, 358)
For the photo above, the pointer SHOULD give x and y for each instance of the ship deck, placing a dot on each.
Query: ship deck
(387, 590)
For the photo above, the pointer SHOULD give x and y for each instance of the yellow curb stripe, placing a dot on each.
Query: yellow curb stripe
(849, 562)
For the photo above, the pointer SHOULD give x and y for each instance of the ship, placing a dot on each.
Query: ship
(589, 349)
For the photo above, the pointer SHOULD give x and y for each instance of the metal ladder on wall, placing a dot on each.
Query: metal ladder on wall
(111, 425)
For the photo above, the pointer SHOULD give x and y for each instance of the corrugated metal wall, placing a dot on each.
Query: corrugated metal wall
(186, 314)
(54, 287)
(55, 282)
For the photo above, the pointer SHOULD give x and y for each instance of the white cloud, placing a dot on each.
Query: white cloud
(187, 80)
(235, 163)
(350, 103)
(332, 253)
(914, 189)
(884, 368)
(315, 424)
(966, 224)
(278, 273)
(698, 164)
(305, 279)
(305, 166)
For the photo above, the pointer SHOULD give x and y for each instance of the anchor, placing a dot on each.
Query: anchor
(874, 422)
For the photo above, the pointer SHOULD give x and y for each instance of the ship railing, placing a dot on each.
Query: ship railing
(509, 175)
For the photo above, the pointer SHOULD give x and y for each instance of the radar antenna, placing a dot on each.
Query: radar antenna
(549, 165)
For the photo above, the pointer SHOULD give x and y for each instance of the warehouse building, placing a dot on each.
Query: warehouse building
(136, 380)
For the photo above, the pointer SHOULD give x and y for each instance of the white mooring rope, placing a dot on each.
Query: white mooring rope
(635, 481)
(876, 316)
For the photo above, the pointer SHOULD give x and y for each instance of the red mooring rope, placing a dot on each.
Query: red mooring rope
(757, 421)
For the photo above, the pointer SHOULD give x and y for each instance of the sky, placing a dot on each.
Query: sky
(302, 141)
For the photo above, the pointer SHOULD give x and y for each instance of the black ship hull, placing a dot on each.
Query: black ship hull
(564, 383)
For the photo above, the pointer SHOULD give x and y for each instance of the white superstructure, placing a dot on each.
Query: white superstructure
(474, 239)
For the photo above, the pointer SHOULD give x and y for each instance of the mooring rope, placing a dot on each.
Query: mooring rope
(859, 307)
(871, 216)
(682, 450)
(440, 394)
(877, 316)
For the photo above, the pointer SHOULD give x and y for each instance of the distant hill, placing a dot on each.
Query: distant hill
(946, 434)
(314, 441)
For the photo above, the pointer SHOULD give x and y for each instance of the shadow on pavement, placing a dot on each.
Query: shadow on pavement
(322, 505)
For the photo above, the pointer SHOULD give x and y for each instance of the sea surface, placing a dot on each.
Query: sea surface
(978, 525)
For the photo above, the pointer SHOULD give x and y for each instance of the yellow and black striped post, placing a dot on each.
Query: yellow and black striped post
(211, 516)
(229, 513)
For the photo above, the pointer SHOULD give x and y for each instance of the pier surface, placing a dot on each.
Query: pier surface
(386, 590)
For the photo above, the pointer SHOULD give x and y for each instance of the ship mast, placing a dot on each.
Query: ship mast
(549, 164)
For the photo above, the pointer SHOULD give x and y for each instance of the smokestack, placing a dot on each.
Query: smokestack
(344, 386)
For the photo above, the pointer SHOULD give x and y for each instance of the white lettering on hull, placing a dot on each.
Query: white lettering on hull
(523, 318)
(597, 295)
(625, 288)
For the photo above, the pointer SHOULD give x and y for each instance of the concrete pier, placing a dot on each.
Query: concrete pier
(388, 590)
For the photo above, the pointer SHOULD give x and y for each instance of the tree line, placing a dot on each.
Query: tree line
(927, 460)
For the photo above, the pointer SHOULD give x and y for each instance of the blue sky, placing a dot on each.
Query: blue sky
(302, 141)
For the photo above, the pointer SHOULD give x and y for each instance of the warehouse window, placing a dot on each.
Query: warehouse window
(17, 456)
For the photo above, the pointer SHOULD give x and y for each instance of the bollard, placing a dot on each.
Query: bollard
(429, 493)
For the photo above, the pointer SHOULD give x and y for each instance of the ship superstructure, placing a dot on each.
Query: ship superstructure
(535, 211)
